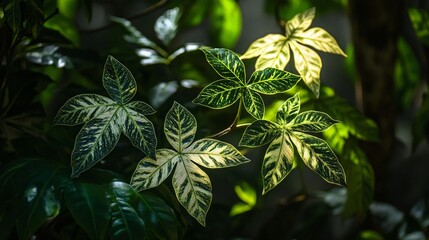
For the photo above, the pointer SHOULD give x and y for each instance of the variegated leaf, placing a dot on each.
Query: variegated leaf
(193, 189)
(320, 39)
(272, 80)
(253, 103)
(219, 94)
(211, 153)
(274, 56)
(180, 127)
(308, 64)
(300, 21)
(82, 108)
(312, 121)
(166, 25)
(261, 45)
(278, 162)
(95, 140)
(151, 173)
(118, 81)
(226, 63)
(140, 107)
(288, 110)
(259, 133)
(319, 157)
(139, 130)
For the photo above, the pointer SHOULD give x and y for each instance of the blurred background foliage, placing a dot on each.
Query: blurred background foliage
(52, 50)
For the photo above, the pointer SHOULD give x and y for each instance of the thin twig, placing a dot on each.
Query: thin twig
(233, 124)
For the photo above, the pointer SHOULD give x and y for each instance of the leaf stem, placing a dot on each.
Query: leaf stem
(233, 124)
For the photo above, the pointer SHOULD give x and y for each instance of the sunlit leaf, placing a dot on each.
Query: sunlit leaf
(82, 108)
(319, 157)
(271, 81)
(211, 153)
(166, 25)
(312, 121)
(259, 133)
(219, 94)
(118, 81)
(240, 208)
(151, 173)
(180, 127)
(139, 130)
(288, 110)
(246, 193)
(273, 50)
(254, 104)
(225, 22)
(150, 57)
(193, 189)
(226, 63)
(278, 162)
(96, 140)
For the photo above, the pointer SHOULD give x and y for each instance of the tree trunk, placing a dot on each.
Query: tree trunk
(376, 25)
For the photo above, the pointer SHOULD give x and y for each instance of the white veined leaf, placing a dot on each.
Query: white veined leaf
(150, 173)
(166, 25)
(278, 162)
(308, 64)
(180, 127)
(95, 141)
(319, 39)
(193, 189)
(288, 110)
(82, 108)
(272, 80)
(140, 107)
(259, 133)
(312, 121)
(226, 63)
(275, 56)
(212, 153)
(319, 157)
(219, 94)
(118, 81)
(139, 130)
(253, 103)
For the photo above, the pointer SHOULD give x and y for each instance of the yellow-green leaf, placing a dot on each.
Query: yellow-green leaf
(253, 103)
(270, 81)
(320, 39)
(312, 121)
(219, 94)
(288, 110)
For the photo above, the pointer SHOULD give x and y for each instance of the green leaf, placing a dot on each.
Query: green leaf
(278, 162)
(259, 133)
(225, 22)
(89, 207)
(319, 157)
(312, 121)
(211, 153)
(151, 173)
(166, 25)
(180, 127)
(82, 108)
(140, 107)
(288, 110)
(41, 202)
(254, 104)
(271, 81)
(95, 141)
(319, 39)
(118, 81)
(65, 26)
(139, 130)
(226, 63)
(219, 94)
(360, 190)
(246, 193)
(12, 14)
(126, 222)
(239, 208)
(193, 189)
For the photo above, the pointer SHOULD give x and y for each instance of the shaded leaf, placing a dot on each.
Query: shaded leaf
(161, 92)
(259, 133)
(226, 63)
(312, 121)
(166, 25)
(140, 107)
(193, 189)
(82, 108)
(271, 81)
(253, 103)
(95, 140)
(278, 162)
(211, 153)
(118, 81)
(420, 128)
(319, 157)
(219, 94)
(12, 13)
(134, 35)
(180, 127)
(150, 173)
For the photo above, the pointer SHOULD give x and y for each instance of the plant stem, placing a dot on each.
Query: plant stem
(233, 124)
